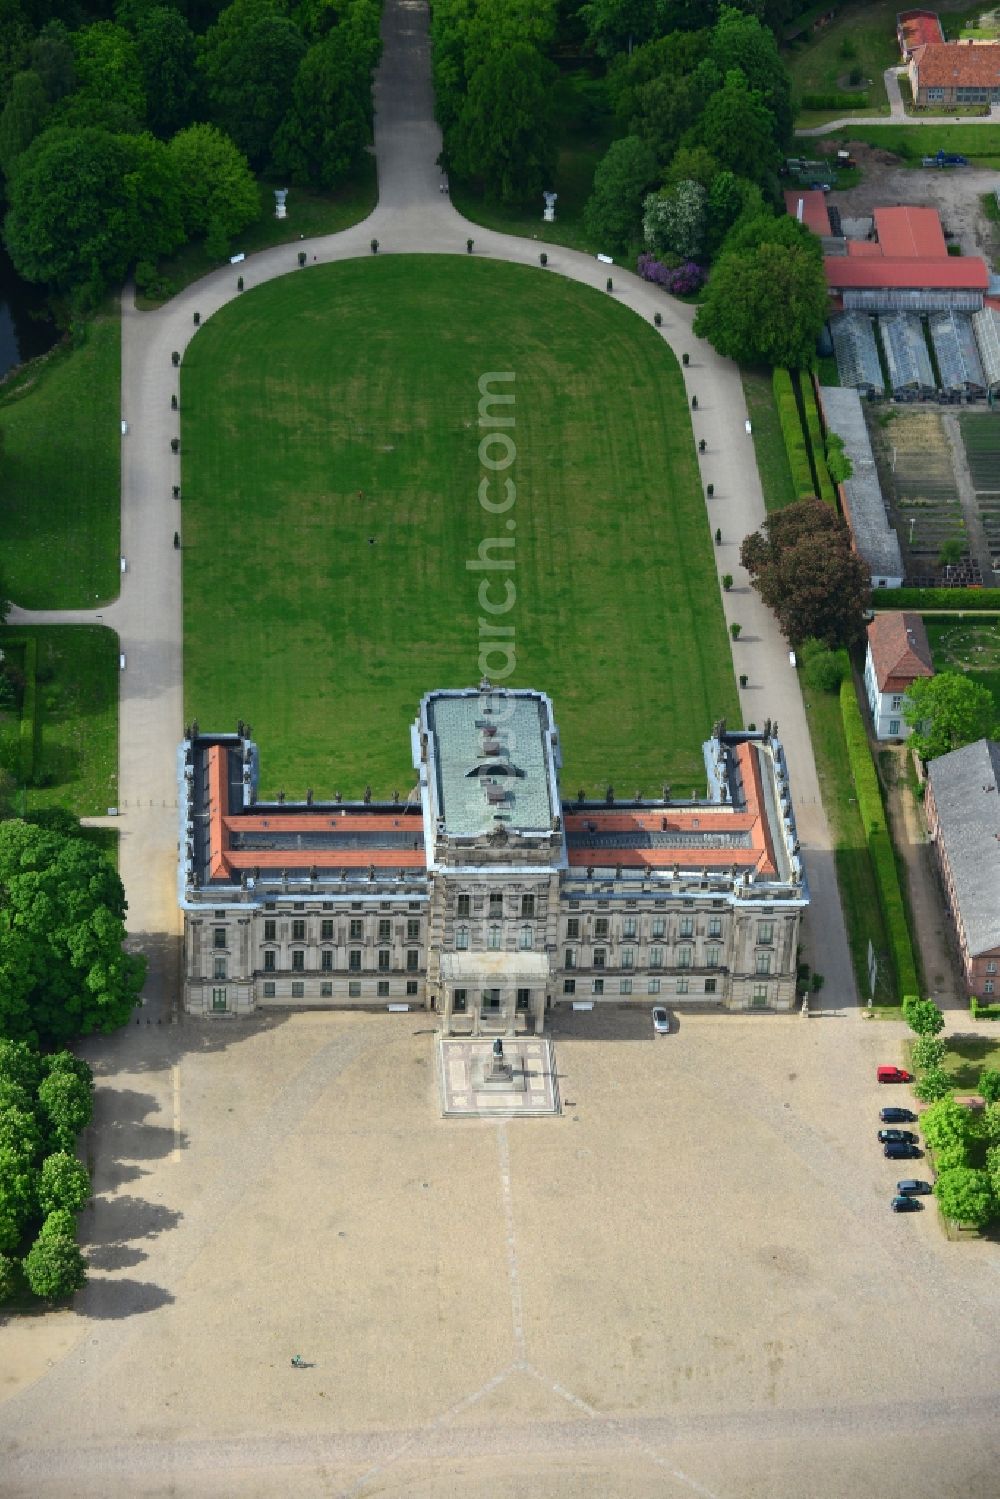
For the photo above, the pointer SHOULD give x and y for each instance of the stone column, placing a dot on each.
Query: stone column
(508, 999)
(540, 1010)
(445, 1009)
(476, 1011)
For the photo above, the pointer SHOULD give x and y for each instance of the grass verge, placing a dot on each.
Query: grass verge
(76, 718)
(60, 518)
(769, 445)
(347, 443)
(861, 36)
(980, 143)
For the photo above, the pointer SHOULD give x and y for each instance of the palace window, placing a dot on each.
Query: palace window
(687, 926)
(354, 989)
(628, 926)
(758, 998)
(383, 988)
(268, 991)
(715, 926)
(682, 985)
(991, 965)
(298, 990)
(354, 960)
(326, 931)
(573, 927)
(493, 938)
(383, 959)
(527, 937)
(298, 931)
(412, 959)
(684, 957)
(218, 999)
(357, 929)
(598, 986)
(496, 904)
(628, 957)
(523, 999)
(411, 987)
(763, 962)
(413, 930)
(298, 960)
(219, 937)
(463, 906)
(458, 1001)
(569, 957)
(653, 986)
(527, 905)
(461, 938)
(600, 926)
(326, 991)
(710, 986)
(385, 931)
(269, 931)
(569, 986)
(625, 986)
(600, 957)
(269, 962)
(711, 957)
(490, 1001)
(765, 932)
(656, 957)
(326, 960)
(220, 968)
(659, 926)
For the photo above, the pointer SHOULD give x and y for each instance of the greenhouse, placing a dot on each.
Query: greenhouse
(986, 327)
(907, 358)
(858, 366)
(956, 353)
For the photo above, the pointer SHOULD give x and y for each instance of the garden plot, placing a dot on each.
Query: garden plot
(913, 457)
(981, 436)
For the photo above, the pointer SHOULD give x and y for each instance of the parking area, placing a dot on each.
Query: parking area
(689, 1282)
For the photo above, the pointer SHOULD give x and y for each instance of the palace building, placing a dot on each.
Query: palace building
(486, 895)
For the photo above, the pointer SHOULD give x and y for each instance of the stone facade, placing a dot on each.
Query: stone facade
(484, 895)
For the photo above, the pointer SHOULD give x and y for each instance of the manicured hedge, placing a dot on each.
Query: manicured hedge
(879, 842)
(924, 600)
(791, 431)
(983, 1012)
(836, 100)
(827, 493)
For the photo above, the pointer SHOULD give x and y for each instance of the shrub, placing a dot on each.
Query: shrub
(989, 1084)
(925, 600)
(54, 1268)
(880, 848)
(922, 1016)
(8, 1278)
(682, 280)
(979, 1011)
(933, 1085)
(814, 429)
(63, 1182)
(965, 1195)
(822, 669)
(59, 1224)
(838, 100)
(791, 431)
(927, 1051)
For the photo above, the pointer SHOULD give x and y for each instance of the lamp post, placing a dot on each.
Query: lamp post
(913, 522)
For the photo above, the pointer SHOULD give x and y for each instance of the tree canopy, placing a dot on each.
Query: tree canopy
(802, 565)
(965, 1195)
(63, 969)
(215, 183)
(922, 1015)
(947, 711)
(613, 213)
(249, 60)
(504, 135)
(766, 305)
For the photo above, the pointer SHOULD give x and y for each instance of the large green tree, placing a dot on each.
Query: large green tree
(803, 566)
(965, 1195)
(63, 968)
(674, 222)
(613, 214)
(249, 60)
(922, 1015)
(215, 183)
(165, 46)
(740, 130)
(22, 118)
(85, 203)
(109, 91)
(947, 711)
(504, 137)
(67, 1104)
(765, 306)
(741, 41)
(324, 134)
(946, 1123)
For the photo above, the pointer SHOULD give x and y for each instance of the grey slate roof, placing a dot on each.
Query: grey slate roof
(874, 538)
(969, 829)
(491, 766)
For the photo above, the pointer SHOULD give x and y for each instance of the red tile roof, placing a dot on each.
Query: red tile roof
(815, 214)
(913, 232)
(957, 65)
(958, 273)
(863, 247)
(915, 28)
(900, 650)
(752, 819)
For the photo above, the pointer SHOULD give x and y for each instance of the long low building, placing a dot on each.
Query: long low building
(864, 507)
(484, 895)
(963, 818)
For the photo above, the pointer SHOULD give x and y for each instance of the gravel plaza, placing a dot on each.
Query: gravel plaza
(689, 1282)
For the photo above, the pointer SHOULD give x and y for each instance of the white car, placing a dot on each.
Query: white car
(661, 1021)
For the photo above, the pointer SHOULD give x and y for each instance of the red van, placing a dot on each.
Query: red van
(893, 1075)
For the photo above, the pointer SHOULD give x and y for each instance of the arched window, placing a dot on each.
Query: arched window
(527, 936)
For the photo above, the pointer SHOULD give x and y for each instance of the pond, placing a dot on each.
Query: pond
(26, 330)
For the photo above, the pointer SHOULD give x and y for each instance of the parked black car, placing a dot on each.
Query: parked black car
(900, 1150)
(897, 1116)
(898, 1136)
(911, 1187)
(906, 1204)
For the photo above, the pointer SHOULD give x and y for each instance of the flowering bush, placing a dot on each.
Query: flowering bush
(682, 280)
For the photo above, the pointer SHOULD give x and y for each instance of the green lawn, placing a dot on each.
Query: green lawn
(980, 143)
(584, 129)
(309, 214)
(76, 717)
(965, 1058)
(340, 403)
(957, 643)
(863, 35)
(855, 876)
(60, 474)
(769, 445)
